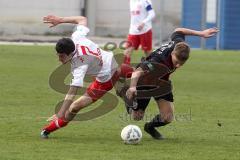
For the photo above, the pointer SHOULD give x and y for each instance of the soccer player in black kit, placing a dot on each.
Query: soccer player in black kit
(156, 68)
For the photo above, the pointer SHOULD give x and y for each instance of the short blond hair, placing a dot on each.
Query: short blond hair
(182, 51)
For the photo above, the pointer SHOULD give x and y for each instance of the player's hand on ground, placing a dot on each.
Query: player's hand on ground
(141, 26)
(52, 118)
(131, 92)
(52, 20)
(209, 32)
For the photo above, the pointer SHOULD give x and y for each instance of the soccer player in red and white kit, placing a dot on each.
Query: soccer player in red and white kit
(86, 59)
(140, 31)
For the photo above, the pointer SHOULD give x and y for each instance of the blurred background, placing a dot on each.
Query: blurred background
(22, 20)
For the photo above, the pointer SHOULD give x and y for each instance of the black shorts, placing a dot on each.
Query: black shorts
(143, 102)
(153, 73)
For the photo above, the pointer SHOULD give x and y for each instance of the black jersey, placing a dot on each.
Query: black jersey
(163, 54)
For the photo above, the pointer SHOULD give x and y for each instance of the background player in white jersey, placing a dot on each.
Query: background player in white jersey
(86, 59)
(140, 31)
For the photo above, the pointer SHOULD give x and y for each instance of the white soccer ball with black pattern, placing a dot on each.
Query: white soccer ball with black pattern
(131, 134)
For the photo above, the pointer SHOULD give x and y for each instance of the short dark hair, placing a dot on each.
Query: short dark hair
(65, 46)
(182, 51)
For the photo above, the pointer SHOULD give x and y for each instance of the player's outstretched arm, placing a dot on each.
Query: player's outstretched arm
(53, 20)
(205, 33)
(69, 98)
(131, 92)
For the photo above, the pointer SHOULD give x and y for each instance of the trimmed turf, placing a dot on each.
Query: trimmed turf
(207, 98)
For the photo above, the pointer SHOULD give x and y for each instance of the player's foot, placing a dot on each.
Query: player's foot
(153, 132)
(44, 134)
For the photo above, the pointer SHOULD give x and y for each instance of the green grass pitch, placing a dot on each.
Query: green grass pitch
(207, 108)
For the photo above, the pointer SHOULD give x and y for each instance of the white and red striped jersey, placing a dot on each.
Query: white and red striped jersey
(89, 59)
(141, 11)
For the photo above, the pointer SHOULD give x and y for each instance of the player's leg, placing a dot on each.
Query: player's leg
(122, 84)
(78, 105)
(133, 44)
(61, 122)
(166, 116)
(127, 55)
(61, 112)
(166, 109)
(138, 112)
(135, 106)
(146, 42)
(74, 108)
(95, 91)
(125, 70)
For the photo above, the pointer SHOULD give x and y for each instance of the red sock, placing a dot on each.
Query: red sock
(54, 125)
(127, 59)
(126, 71)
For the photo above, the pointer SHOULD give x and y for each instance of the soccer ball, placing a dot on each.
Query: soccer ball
(131, 134)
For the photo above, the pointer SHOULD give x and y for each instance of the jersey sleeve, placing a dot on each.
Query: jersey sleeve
(81, 31)
(178, 37)
(78, 75)
(151, 12)
(148, 5)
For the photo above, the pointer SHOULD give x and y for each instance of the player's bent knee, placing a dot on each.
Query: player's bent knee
(79, 104)
(76, 107)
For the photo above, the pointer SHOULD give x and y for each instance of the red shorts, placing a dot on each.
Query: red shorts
(145, 40)
(97, 89)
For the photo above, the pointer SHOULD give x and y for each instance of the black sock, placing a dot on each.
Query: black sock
(157, 122)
